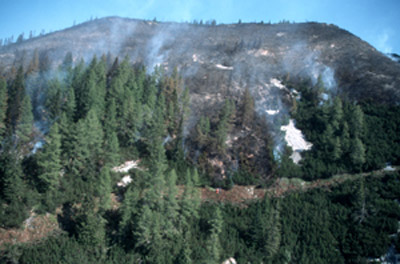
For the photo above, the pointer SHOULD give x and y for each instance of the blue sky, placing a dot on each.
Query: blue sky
(375, 21)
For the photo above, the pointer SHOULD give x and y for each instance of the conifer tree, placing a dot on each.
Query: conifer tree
(345, 138)
(12, 185)
(16, 94)
(357, 154)
(105, 188)
(49, 160)
(69, 107)
(357, 122)
(129, 211)
(223, 127)
(202, 131)
(247, 109)
(91, 229)
(3, 107)
(111, 143)
(273, 240)
(53, 101)
(214, 244)
(337, 114)
(94, 135)
(24, 125)
(190, 202)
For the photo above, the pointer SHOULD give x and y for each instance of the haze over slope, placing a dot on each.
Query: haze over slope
(218, 60)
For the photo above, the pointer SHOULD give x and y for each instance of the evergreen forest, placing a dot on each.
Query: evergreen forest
(62, 131)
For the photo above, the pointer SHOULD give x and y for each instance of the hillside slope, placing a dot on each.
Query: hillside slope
(221, 60)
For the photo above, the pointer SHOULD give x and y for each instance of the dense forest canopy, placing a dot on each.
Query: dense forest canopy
(62, 135)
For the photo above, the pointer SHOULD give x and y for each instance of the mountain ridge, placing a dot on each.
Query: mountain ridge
(226, 57)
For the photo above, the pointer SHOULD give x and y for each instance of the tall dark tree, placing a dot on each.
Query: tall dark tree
(24, 125)
(247, 108)
(49, 161)
(214, 243)
(3, 107)
(16, 94)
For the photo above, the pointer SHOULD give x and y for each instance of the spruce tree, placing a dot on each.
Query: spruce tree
(214, 245)
(12, 186)
(54, 99)
(247, 108)
(105, 188)
(337, 114)
(24, 125)
(202, 131)
(49, 160)
(224, 124)
(16, 95)
(91, 230)
(357, 122)
(357, 154)
(3, 107)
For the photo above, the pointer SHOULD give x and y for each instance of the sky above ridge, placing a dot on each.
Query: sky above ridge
(375, 21)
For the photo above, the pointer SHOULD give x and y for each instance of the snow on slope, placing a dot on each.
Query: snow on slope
(295, 139)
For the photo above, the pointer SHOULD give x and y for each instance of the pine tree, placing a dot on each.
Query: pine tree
(129, 211)
(185, 255)
(357, 154)
(190, 202)
(247, 108)
(105, 188)
(94, 135)
(3, 107)
(357, 122)
(54, 98)
(273, 240)
(337, 114)
(12, 186)
(223, 127)
(345, 138)
(202, 131)
(214, 244)
(16, 94)
(34, 64)
(49, 160)
(24, 125)
(91, 229)
(69, 107)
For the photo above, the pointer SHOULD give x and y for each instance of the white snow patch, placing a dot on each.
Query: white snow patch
(260, 52)
(229, 261)
(126, 166)
(296, 157)
(195, 58)
(389, 168)
(295, 139)
(124, 181)
(272, 112)
(223, 67)
(277, 83)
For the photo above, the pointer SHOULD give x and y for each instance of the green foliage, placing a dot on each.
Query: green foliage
(3, 107)
(224, 123)
(16, 94)
(214, 244)
(101, 118)
(24, 125)
(247, 108)
(49, 161)
(345, 136)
